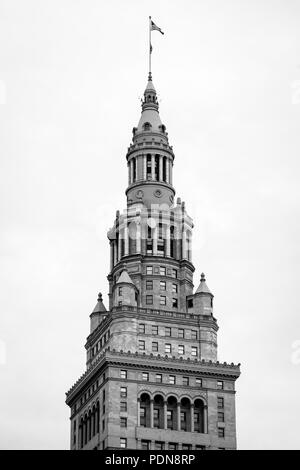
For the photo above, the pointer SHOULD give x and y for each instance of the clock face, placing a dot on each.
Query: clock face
(139, 194)
(158, 193)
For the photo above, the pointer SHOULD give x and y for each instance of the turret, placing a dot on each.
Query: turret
(125, 291)
(203, 298)
(98, 313)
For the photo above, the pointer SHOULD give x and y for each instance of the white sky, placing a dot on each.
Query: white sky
(71, 74)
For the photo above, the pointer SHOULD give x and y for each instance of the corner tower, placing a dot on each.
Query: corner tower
(153, 379)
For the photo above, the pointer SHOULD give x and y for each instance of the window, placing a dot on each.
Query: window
(175, 303)
(172, 379)
(120, 290)
(174, 273)
(142, 328)
(145, 376)
(149, 247)
(194, 351)
(123, 392)
(173, 446)
(162, 270)
(220, 385)
(185, 381)
(145, 445)
(194, 334)
(123, 442)
(162, 285)
(220, 402)
(123, 406)
(170, 419)
(221, 432)
(154, 330)
(162, 300)
(220, 417)
(123, 422)
(142, 345)
(123, 374)
(149, 270)
(159, 445)
(158, 378)
(149, 299)
(155, 347)
(168, 348)
(181, 349)
(168, 331)
(200, 447)
(180, 333)
(186, 446)
(174, 288)
(103, 395)
(103, 424)
(149, 285)
(103, 409)
(198, 381)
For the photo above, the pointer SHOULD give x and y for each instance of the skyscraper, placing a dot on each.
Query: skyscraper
(153, 380)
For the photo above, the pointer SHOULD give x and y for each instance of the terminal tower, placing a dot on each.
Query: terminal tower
(153, 380)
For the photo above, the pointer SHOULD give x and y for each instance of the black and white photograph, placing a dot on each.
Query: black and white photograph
(149, 227)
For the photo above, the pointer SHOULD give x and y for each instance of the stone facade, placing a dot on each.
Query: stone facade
(153, 380)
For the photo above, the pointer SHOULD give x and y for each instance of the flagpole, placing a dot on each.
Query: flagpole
(150, 48)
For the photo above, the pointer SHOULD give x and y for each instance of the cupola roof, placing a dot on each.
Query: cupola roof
(203, 289)
(100, 307)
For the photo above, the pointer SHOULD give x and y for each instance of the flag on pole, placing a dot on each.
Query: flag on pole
(155, 28)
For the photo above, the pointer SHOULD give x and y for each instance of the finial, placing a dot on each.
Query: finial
(203, 277)
(150, 77)
(99, 297)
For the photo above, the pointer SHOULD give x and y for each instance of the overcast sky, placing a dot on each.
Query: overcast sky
(228, 78)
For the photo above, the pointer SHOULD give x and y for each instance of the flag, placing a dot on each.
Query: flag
(153, 27)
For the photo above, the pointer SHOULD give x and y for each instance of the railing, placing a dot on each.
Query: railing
(166, 313)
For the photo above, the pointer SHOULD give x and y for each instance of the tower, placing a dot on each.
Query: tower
(153, 380)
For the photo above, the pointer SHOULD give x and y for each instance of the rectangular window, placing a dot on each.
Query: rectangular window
(103, 409)
(142, 412)
(149, 285)
(142, 345)
(123, 392)
(174, 288)
(123, 406)
(145, 376)
(120, 290)
(173, 446)
(123, 442)
(162, 300)
(194, 334)
(181, 349)
(220, 417)
(186, 446)
(221, 432)
(142, 328)
(156, 413)
(220, 385)
(162, 271)
(149, 248)
(162, 285)
(175, 303)
(103, 395)
(168, 331)
(200, 447)
(158, 378)
(123, 422)
(220, 403)
(103, 424)
(155, 347)
(123, 374)
(172, 379)
(159, 445)
(170, 419)
(180, 333)
(174, 273)
(154, 330)
(145, 445)
(198, 381)
(149, 270)
(185, 381)
(149, 299)
(194, 351)
(168, 348)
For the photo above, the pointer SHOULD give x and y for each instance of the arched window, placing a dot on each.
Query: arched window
(185, 415)
(199, 416)
(145, 410)
(158, 412)
(172, 413)
(147, 126)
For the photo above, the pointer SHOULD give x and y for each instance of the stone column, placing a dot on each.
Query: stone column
(138, 237)
(183, 245)
(126, 240)
(192, 417)
(155, 234)
(168, 242)
(178, 417)
(171, 173)
(153, 167)
(120, 244)
(128, 165)
(115, 252)
(145, 166)
(165, 415)
(167, 170)
(111, 244)
(138, 412)
(151, 413)
(131, 171)
(205, 419)
(160, 175)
